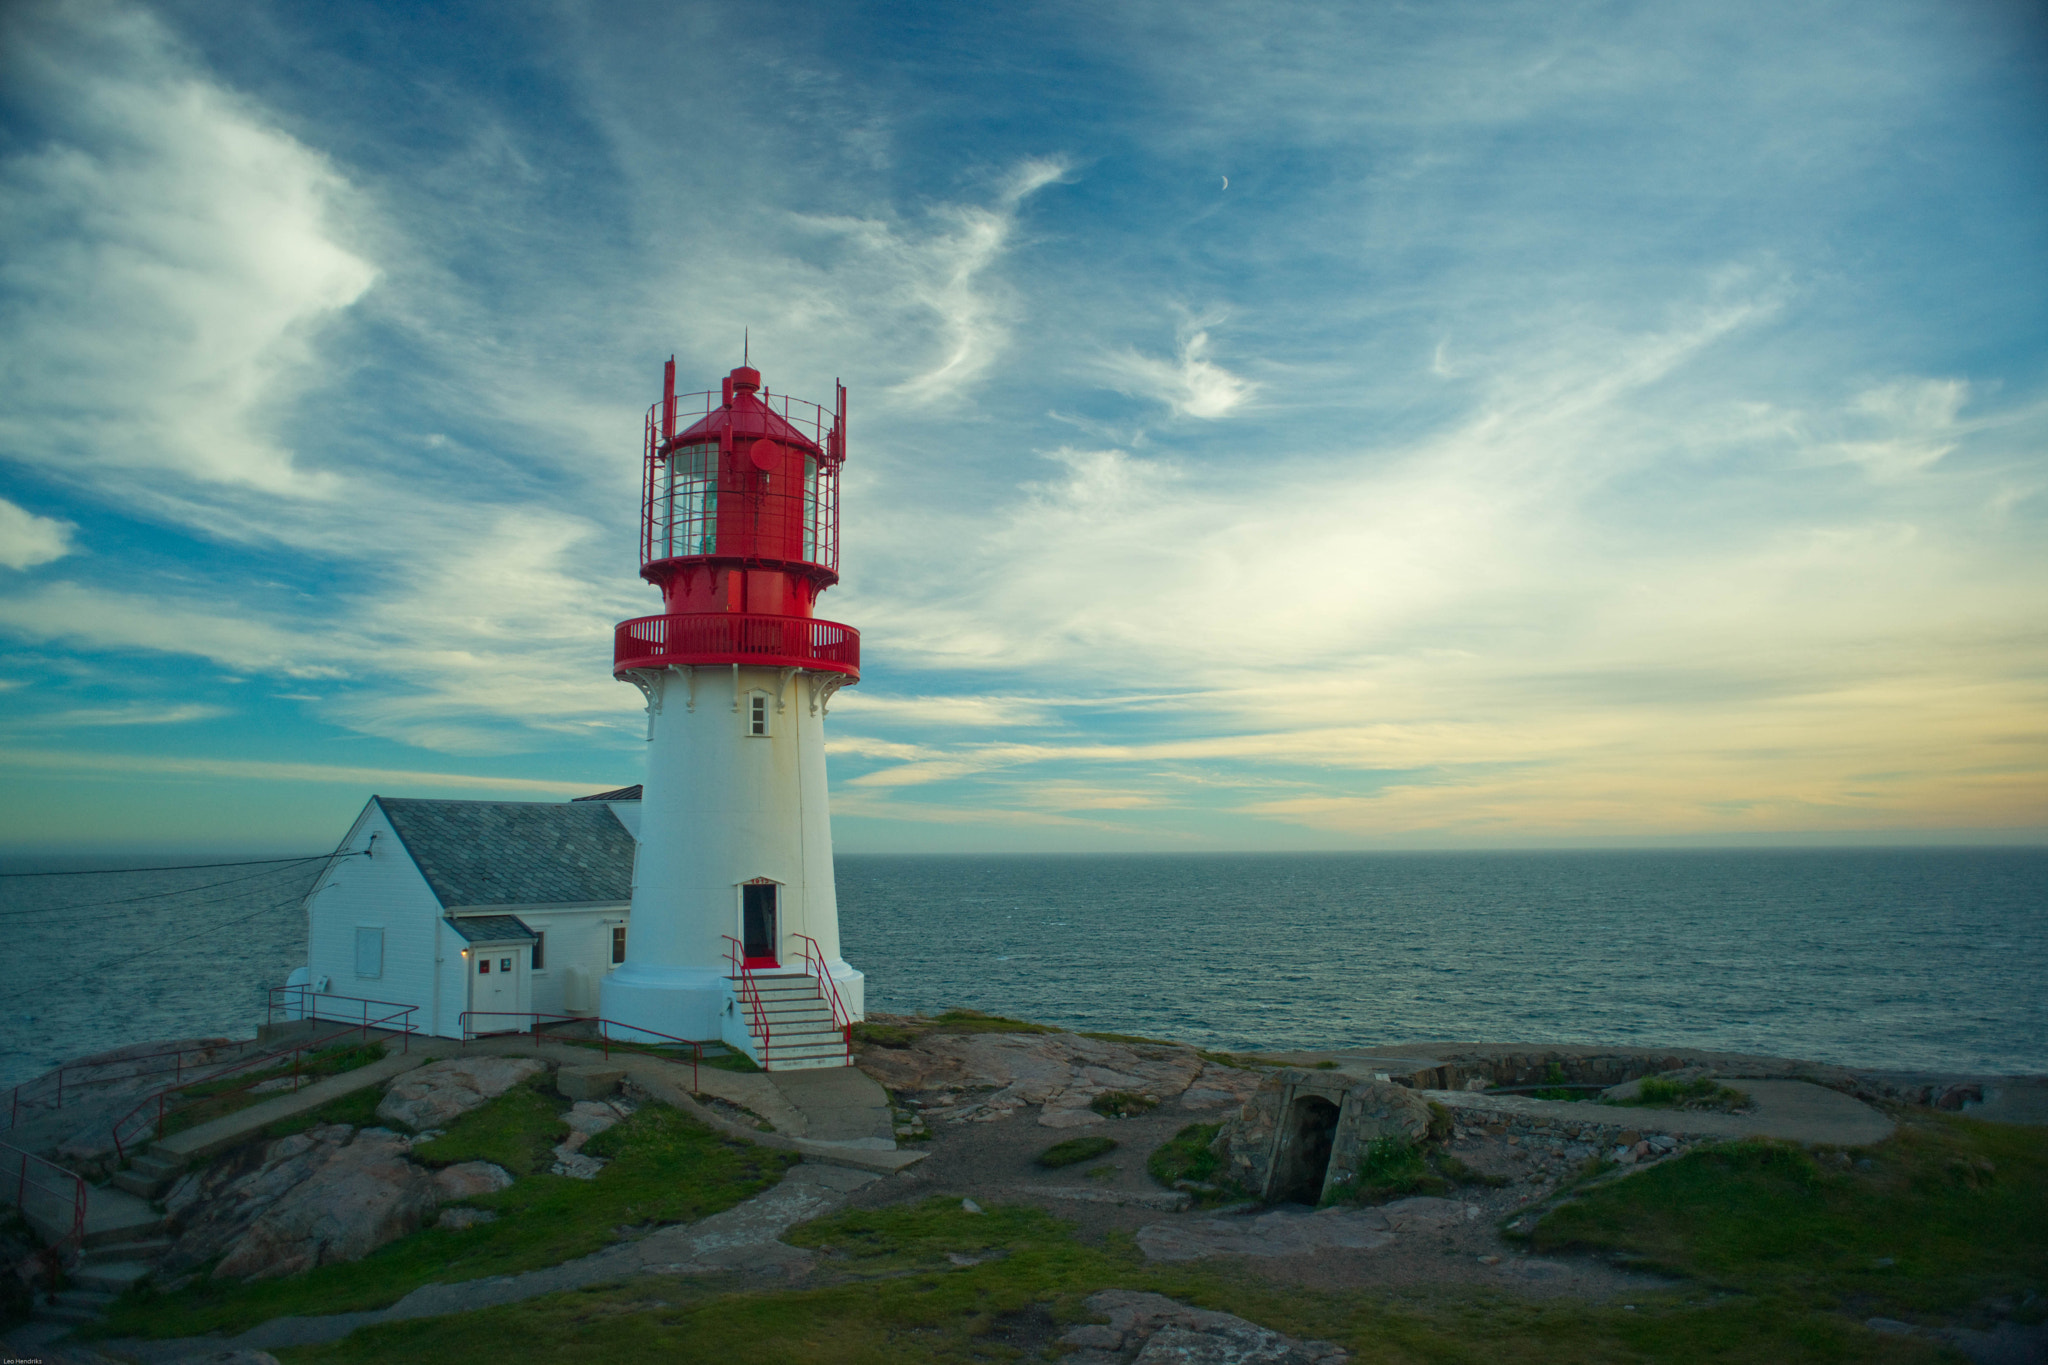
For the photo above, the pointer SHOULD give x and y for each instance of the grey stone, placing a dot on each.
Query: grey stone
(438, 1093)
(468, 1179)
(364, 1195)
(589, 1082)
(1095, 1335)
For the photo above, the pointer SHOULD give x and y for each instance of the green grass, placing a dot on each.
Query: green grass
(733, 1061)
(1132, 1039)
(518, 1130)
(974, 1021)
(886, 1293)
(666, 1168)
(1186, 1156)
(1242, 1061)
(886, 1035)
(358, 1109)
(206, 1101)
(1122, 1104)
(1702, 1092)
(1074, 1151)
(1959, 1208)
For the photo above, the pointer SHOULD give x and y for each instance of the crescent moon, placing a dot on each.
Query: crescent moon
(1226, 182)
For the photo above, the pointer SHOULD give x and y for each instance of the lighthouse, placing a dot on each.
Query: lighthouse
(735, 923)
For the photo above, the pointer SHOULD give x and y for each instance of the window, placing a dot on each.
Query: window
(688, 513)
(810, 509)
(757, 714)
(540, 944)
(504, 964)
(483, 966)
(618, 944)
(369, 952)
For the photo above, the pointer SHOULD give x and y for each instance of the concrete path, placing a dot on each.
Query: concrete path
(839, 1104)
(744, 1237)
(1797, 1111)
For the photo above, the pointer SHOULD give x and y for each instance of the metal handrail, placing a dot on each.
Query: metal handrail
(319, 998)
(842, 1018)
(405, 1027)
(177, 1068)
(750, 992)
(462, 1024)
(68, 1185)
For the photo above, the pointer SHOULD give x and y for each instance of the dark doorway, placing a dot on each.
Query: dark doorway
(757, 923)
(1305, 1151)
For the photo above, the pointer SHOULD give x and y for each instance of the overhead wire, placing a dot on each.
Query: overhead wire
(174, 867)
(154, 949)
(156, 895)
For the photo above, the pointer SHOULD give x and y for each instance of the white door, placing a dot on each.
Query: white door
(497, 989)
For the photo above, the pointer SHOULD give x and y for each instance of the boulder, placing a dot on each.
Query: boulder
(440, 1092)
(364, 1195)
(210, 1208)
(468, 1179)
(589, 1082)
(460, 1219)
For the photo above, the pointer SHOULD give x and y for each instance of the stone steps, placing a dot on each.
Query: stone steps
(74, 1306)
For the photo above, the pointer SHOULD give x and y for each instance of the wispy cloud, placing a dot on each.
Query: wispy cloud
(27, 540)
(135, 713)
(1191, 384)
(172, 257)
(386, 779)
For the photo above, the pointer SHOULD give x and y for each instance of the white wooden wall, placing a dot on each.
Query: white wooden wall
(383, 891)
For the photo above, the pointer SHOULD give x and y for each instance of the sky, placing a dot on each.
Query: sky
(1272, 426)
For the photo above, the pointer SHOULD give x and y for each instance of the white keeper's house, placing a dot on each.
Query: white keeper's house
(476, 912)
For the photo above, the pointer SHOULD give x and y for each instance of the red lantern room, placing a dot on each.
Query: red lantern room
(739, 528)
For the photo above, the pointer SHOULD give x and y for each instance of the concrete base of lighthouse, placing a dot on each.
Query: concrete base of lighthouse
(674, 1002)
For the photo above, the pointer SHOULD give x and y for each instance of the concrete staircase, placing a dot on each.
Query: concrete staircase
(150, 1173)
(801, 1035)
(123, 1244)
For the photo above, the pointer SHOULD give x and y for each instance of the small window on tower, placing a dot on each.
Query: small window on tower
(618, 944)
(757, 714)
(540, 945)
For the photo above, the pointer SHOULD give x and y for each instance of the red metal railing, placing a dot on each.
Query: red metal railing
(318, 1006)
(842, 1018)
(737, 638)
(750, 993)
(604, 1035)
(29, 1093)
(60, 1193)
(398, 1021)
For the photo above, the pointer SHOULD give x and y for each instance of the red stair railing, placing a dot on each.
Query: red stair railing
(842, 1018)
(750, 993)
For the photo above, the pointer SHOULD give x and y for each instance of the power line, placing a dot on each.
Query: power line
(176, 867)
(154, 949)
(152, 896)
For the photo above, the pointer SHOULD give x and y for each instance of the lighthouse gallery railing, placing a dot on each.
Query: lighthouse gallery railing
(736, 638)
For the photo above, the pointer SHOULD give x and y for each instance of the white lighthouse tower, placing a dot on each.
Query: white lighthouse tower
(735, 924)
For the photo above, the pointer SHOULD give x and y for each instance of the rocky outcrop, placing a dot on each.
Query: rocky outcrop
(586, 1119)
(440, 1092)
(332, 1193)
(981, 1077)
(1151, 1329)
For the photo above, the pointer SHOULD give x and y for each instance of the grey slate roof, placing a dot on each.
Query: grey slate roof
(631, 793)
(515, 852)
(492, 928)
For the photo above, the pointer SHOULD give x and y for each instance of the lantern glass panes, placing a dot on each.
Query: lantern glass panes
(690, 502)
(810, 509)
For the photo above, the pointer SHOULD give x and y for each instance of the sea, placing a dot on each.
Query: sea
(1909, 959)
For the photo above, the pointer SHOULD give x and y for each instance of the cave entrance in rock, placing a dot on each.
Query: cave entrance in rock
(1311, 1128)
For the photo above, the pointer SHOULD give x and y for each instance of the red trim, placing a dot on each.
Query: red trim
(756, 963)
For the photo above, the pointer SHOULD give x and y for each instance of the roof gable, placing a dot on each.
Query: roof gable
(515, 852)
